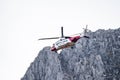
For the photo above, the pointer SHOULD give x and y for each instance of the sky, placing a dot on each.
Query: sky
(23, 22)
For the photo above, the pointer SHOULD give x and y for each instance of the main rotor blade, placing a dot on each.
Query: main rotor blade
(62, 35)
(48, 38)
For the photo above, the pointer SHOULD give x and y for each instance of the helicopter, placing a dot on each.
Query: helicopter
(65, 41)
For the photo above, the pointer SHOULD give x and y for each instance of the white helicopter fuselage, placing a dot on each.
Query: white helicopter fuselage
(61, 41)
(64, 43)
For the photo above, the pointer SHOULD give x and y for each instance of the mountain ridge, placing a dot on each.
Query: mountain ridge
(96, 58)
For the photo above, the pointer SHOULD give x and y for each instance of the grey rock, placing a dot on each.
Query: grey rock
(96, 58)
(46, 66)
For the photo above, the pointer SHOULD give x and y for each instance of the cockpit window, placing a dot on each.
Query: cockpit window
(62, 39)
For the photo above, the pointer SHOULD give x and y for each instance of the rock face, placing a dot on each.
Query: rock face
(97, 58)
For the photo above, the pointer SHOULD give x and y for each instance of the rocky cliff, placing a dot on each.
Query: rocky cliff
(97, 58)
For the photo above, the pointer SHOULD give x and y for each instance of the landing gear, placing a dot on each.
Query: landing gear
(86, 36)
(72, 47)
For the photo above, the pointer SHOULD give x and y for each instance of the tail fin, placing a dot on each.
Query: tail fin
(85, 30)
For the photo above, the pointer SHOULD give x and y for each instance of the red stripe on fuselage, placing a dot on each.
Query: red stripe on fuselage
(74, 39)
